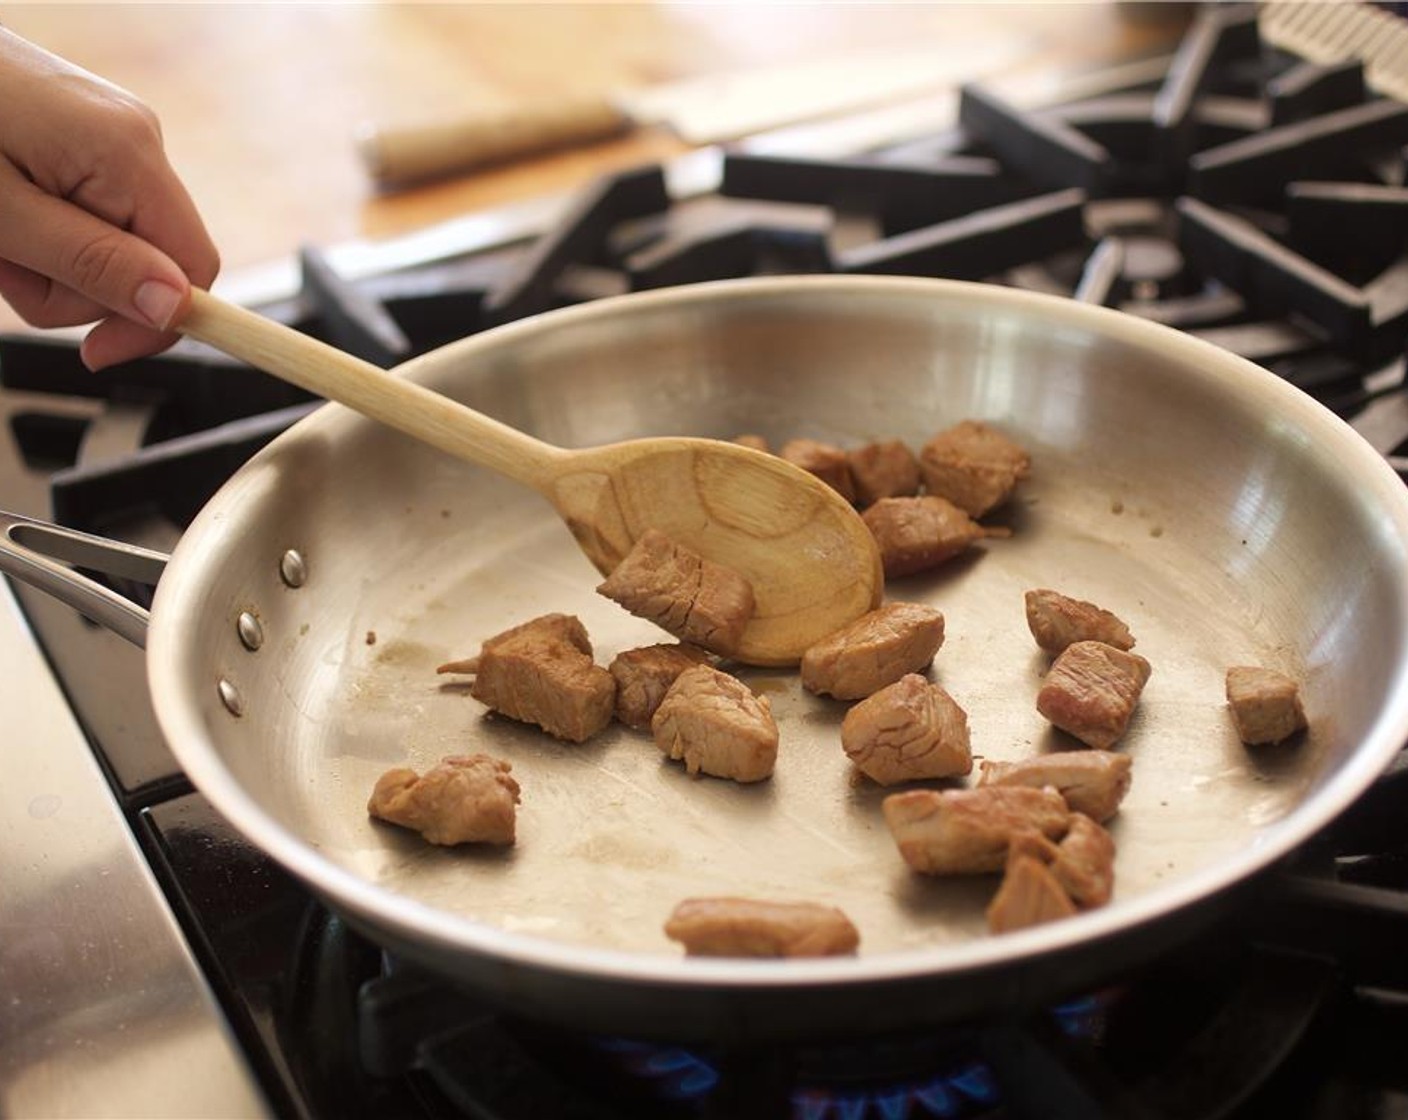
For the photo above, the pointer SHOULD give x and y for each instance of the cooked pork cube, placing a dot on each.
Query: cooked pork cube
(542, 672)
(695, 599)
(875, 650)
(1265, 704)
(757, 443)
(915, 534)
(966, 831)
(1083, 862)
(883, 470)
(1091, 690)
(466, 799)
(910, 729)
(716, 725)
(1092, 782)
(1029, 895)
(644, 675)
(974, 466)
(546, 628)
(742, 927)
(825, 461)
(1056, 621)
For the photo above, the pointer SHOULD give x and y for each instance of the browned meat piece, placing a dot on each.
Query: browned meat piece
(466, 799)
(875, 650)
(910, 729)
(966, 831)
(883, 470)
(565, 628)
(1092, 782)
(1091, 691)
(742, 927)
(1057, 620)
(694, 599)
(644, 675)
(825, 461)
(1265, 704)
(717, 726)
(1029, 895)
(542, 672)
(915, 534)
(757, 443)
(974, 466)
(1083, 862)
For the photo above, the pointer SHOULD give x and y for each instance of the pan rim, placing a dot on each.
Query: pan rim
(184, 726)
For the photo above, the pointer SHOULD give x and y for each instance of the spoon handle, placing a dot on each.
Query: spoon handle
(319, 368)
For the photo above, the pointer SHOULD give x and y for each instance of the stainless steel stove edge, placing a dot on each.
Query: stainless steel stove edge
(103, 1009)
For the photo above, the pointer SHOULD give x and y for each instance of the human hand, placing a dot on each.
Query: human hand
(94, 223)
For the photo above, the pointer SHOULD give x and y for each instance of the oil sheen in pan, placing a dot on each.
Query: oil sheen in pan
(610, 835)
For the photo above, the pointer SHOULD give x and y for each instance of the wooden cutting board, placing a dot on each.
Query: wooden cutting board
(260, 104)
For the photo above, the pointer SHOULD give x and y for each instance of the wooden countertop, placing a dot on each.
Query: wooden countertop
(260, 103)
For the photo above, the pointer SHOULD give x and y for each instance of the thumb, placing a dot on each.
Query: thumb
(82, 252)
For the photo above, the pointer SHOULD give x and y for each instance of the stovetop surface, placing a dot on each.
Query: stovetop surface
(1198, 195)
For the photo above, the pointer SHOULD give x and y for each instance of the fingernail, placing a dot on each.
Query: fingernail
(157, 302)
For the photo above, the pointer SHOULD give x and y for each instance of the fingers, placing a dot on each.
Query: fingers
(135, 189)
(64, 265)
(82, 252)
(42, 303)
(113, 340)
(118, 340)
(164, 215)
(94, 222)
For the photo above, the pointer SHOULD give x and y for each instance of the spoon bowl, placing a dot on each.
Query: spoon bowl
(812, 562)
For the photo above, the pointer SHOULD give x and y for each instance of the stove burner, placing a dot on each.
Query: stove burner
(408, 1021)
(1248, 197)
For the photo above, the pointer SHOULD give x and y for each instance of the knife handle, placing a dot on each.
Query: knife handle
(396, 156)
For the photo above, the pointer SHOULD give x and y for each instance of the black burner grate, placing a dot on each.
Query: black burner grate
(1200, 197)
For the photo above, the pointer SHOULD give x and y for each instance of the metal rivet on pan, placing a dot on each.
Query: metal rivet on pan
(230, 697)
(251, 632)
(293, 568)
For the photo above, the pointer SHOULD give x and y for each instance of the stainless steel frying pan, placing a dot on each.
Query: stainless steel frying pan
(1227, 517)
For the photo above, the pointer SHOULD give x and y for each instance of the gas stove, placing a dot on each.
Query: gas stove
(1232, 191)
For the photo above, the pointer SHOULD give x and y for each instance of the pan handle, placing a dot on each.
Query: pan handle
(31, 551)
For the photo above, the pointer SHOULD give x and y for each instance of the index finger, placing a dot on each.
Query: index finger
(148, 199)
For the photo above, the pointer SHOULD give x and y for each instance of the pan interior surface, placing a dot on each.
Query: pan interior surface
(1224, 517)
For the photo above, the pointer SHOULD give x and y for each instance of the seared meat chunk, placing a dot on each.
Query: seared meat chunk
(1056, 621)
(644, 675)
(1092, 782)
(565, 628)
(694, 599)
(1091, 691)
(915, 534)
(743, 927)
(875, 650)
(542, 672)
(885, 469)
(825, 461)
(910, 729)
(1045, 881)
(974, 466)
(967, 831)
(715, 724)
(466, 799)
(1265, 704)
(1083, 862)
(1029, 895)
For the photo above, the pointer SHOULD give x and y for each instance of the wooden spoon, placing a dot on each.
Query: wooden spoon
(813, 564)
